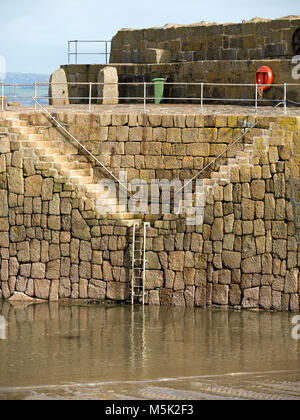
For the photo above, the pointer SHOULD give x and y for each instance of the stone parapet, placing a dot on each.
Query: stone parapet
(255, 39)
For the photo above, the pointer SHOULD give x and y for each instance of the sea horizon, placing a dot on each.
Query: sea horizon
(24, 94)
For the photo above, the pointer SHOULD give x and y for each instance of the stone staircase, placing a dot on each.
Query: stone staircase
(70, 168)
(221, 177)
(66, 167)
(246, 157)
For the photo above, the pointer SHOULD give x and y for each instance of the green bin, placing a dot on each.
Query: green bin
(158, 89)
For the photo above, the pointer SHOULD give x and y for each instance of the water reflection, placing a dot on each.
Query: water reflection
(61, 344)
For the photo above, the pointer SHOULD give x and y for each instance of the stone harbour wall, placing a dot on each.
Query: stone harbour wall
(210, 71)
(202, 52)
(252, 40)
(245, 253)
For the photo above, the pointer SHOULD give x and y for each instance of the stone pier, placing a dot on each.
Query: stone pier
(54, 245)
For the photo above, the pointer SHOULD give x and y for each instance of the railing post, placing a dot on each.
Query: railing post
(2, 96)
(76, 51)
(145, 96)
(202, 88)
(256, 98)
(284, 100)
(106, 52)
(35, 96)
(146, 225)
(69, 51)
(90, 96)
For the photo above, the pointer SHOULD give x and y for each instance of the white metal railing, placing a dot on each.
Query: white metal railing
(145, 97)
(59, 125)
(73, 50)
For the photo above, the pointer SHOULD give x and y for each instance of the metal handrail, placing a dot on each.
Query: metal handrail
(145, 98)
(248, 130)
(80, 144)
(76, 53)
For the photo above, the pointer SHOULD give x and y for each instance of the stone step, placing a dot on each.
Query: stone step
(114, 204)
(10, 116)
(13, 123)
(54, 158)
(82, 180)
(126, 223)
(38, 144)
(30, 137)
(23, 130)
(109, 210)
(29, 153)
(76, 172)
(50, 152)
(72, 165)
(124, 216)
(45, 165)
(59, 158)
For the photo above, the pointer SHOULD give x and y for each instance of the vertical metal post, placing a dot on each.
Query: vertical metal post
(69, 51)
(146, 225)
(145, 96)
(133, 263)
(106, 52)
(256, 98)
(2, 96)
(90, 97)
(76, 51)
(284, 100)
(202, 88)
(35, 96)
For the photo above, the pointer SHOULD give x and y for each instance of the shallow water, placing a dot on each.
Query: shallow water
(65, 351)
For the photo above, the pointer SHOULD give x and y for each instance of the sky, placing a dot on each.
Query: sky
(34, 33)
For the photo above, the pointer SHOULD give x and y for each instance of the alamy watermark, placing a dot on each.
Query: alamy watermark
(2, 328)
(296, 68)
(296, 328)
(186, 198)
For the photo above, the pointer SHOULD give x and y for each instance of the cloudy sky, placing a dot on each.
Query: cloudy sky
(34, 33)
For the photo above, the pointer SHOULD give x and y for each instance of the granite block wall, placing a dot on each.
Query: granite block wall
(244, 254)
(250, 40)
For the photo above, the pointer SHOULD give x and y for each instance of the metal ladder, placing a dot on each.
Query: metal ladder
(138, 263)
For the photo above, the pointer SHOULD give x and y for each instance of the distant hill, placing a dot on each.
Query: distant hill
(24, 94)
(25, 78)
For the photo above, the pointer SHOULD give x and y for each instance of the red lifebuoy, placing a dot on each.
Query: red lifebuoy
(264, 76)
